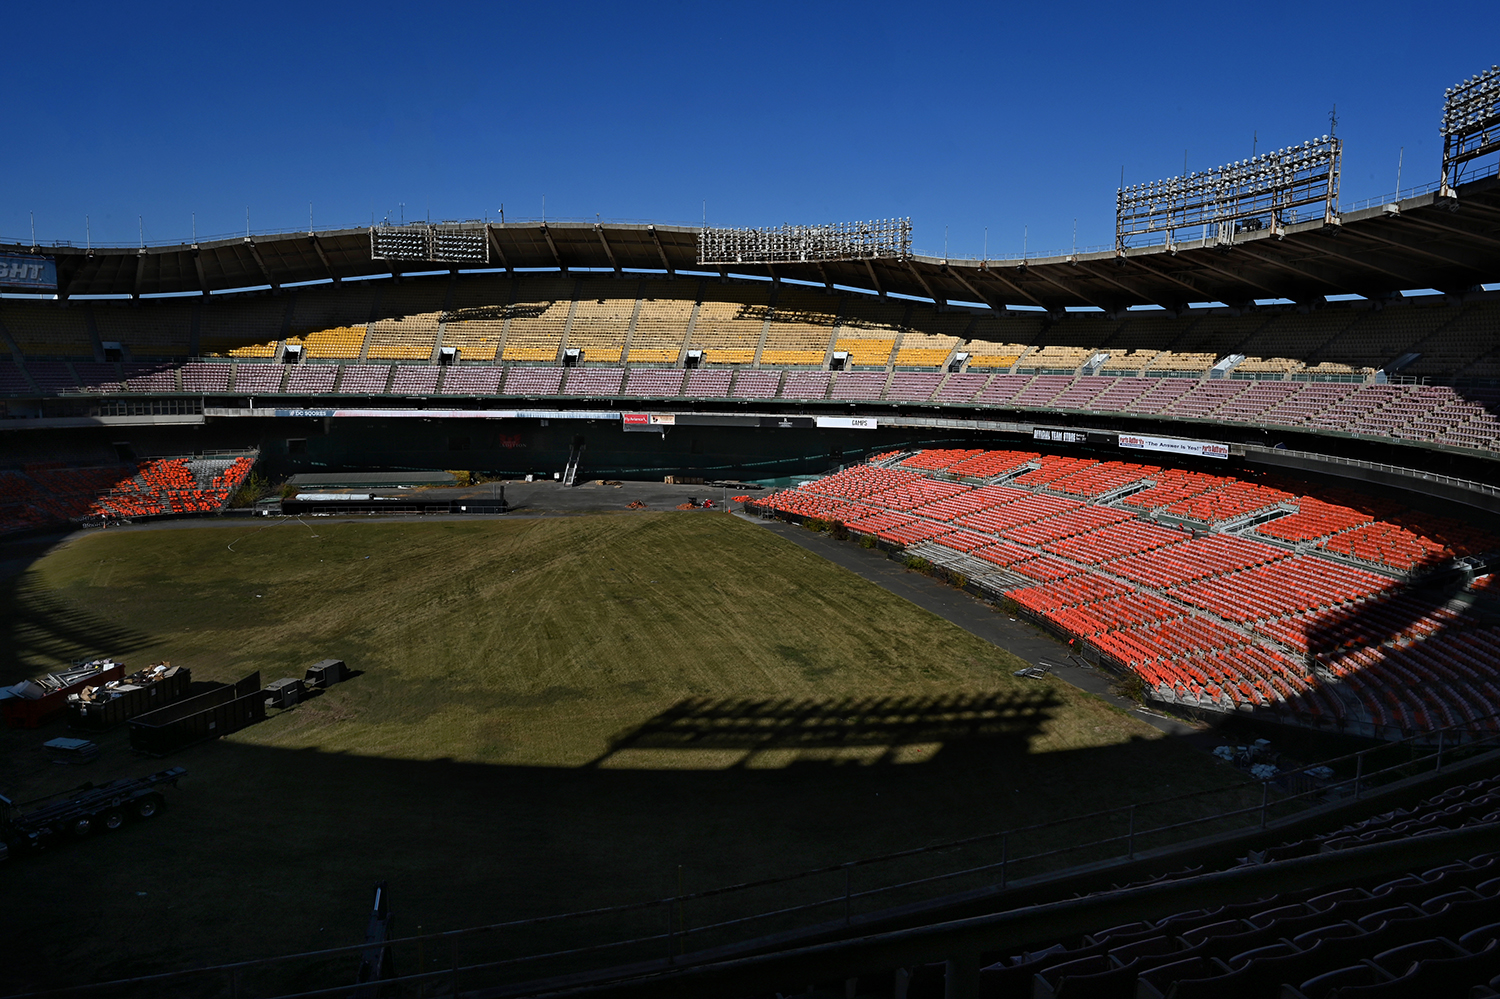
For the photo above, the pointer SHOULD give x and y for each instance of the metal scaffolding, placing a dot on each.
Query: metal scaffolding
(420, 241)
(1263, 192)
(881, 238)
(1470, 125)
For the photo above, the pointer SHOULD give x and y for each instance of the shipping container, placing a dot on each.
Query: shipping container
(209, 715)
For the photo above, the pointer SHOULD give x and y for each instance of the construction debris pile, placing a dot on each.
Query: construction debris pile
(116, 701)
(31, 702)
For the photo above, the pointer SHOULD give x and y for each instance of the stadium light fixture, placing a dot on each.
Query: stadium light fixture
(436, 243)
(1267, 191)
(881, 238)
(1470, 126)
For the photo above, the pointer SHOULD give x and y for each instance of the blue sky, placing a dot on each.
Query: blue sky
(964, 116)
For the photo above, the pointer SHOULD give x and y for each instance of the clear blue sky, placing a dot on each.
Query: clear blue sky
(958, 115)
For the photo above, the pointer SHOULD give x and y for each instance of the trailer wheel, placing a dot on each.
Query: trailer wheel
(112, 819)
(82, 826)
(148, 806)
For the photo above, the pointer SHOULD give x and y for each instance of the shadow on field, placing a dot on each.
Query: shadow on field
(700, 723)
(463, 844)
(52, 631)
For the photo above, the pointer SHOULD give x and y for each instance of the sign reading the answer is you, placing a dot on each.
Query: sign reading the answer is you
(1175, 445)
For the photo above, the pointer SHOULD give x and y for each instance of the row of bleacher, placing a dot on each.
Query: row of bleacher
(1212, 620)
(533, 318)
(1435, 414)
(48, 493)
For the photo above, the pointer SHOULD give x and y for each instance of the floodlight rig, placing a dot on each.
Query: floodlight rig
(423, 242)
(1267, 191)
(1470, 125)
(881, 238)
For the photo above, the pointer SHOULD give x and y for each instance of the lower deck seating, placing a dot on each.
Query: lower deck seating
(1213, 620)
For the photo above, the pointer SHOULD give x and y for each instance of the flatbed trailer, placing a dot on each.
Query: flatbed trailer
(85, 811)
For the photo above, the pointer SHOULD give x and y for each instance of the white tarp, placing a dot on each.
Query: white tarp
(1175, 445)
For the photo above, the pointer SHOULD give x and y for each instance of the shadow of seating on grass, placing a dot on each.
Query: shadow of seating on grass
(1007, 722)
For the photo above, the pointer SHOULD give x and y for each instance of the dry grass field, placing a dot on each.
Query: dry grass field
(550, 714)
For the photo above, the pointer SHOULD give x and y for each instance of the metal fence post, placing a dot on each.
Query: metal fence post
(453, 951)
(846, 895)
(671, 941)
(1359, 772)
(1441, 733)
(1265, 794)
(1132, 832)
(1004, 857)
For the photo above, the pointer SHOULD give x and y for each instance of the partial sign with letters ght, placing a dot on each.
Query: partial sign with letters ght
(27, 273)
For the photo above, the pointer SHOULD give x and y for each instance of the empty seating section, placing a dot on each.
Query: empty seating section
(1204, 398)
(259, 377)
(472, 381)
(756, 384)
(1313, 520)
(706, 384)
(336, 343)
(246, 326)
(47, 493)
(415, 379)
(601, 321)
(174, 485)
(868, 330)
(1390, 545)
(536, 319)
(912, 386)
(1305, 370)
(403, 336)
(961, 387)
(990, 464)
(596, 382)
(475, 321)
(311, 378)
(936, 459)
(1127, 362)
(43, 330)
(533, 381)
(654, 382)
(1055, 360)
(662, 324)
(1054, 466)
(1219, 621)
(924, 350)
(149, 377)
(1101, 478)
(1196, 558)
(857, 386)
(1079, 393)
(1301, 583)
(1228, 501)
(1065, 525)
(13, 380)
(985, 355)
(806, 385)
(1175, 363)
(94, 377)
(365, 379)
(145, 329)
(730, 321)
(801, 329)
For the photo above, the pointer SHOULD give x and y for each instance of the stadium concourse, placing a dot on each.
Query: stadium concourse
(1313, 605)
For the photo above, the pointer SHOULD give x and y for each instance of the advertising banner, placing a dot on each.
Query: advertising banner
(27, 273)
(1063, 436)
(636, 419)
(1175, 445)
(847, 422)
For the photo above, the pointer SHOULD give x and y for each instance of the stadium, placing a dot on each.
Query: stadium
(1240, 465)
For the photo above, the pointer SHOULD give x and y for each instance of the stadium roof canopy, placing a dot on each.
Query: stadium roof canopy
(1449, 244)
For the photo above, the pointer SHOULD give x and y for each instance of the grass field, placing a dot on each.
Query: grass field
(551, 714)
